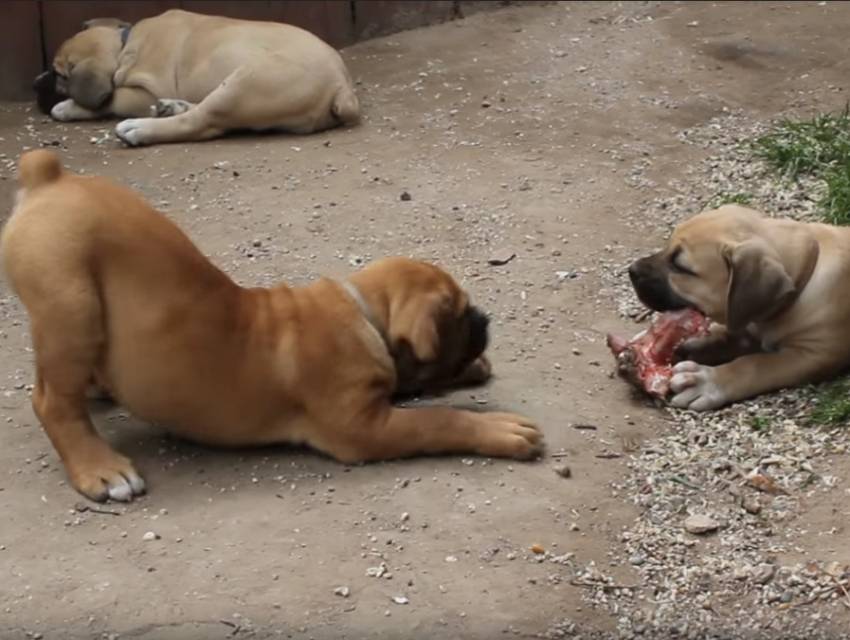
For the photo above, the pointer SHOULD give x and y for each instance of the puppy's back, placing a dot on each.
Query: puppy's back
(89, 229)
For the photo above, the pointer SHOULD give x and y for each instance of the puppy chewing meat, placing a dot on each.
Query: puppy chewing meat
(776, 291)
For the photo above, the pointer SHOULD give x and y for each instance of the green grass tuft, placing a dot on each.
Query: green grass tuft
(808, 146)
(730, 198)
(835, 203)
(819, 147)
(832, 404)
(760, 424)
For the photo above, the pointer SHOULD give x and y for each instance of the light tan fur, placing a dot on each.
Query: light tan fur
(117, 294)
(777, 289)
(184, 76)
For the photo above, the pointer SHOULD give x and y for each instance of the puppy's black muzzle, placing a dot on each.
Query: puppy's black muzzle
(46, 95)
(649, 279)
(478, 333)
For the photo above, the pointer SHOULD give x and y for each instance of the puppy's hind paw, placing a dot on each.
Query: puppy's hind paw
(168, 107)
(101, 474)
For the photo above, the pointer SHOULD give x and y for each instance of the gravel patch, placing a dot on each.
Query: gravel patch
(721, 494)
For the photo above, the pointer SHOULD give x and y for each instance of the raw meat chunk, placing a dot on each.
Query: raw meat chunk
(647, 359)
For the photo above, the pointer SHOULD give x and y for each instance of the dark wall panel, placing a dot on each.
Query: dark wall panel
(63, 18)
(328, 19)
(30, 28)
(380, 17)
(20, 48)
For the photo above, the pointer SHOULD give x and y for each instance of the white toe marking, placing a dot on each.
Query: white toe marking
(119, 490)
(132, 131)
(686, 365)
(68, 110)
(137, 483)
(695, 387)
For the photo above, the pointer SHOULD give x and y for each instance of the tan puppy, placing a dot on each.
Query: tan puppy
(779, 290)
(116, 293)
(201, 76)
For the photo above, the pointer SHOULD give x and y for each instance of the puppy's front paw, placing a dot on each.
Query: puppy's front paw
(133, 132)
(695, 387)
(506, 435)
(101, 474)
(478, 372)
(68, 111)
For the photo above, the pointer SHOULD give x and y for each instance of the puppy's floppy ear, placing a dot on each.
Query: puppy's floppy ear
(89, 85)
(416, 323)
(105, 22)
(759, 285)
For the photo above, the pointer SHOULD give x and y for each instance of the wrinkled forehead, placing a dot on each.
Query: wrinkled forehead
(720, 224)
(451, 288)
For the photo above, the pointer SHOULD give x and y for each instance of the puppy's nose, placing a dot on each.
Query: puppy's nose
(478, 319)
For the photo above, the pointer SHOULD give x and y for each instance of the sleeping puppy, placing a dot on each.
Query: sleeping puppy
(776, 288)
(182, 76)
(118, 295)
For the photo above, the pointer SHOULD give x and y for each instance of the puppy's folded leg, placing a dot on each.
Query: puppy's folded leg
(700, 388)
(402, 433)
(132, 102)
(719, 347)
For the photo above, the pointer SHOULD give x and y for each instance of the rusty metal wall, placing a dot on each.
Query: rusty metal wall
(32, 30)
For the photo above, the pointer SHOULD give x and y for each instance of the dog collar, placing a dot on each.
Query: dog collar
(364, 307)
(125, 34)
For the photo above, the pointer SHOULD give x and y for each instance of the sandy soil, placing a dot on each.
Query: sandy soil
(534, 131)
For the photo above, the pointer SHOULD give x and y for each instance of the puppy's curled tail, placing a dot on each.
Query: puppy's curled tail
(37, 168)
(346, 106)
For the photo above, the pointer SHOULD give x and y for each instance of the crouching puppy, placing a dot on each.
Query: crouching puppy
(182, 76)
(777, 289)
(117, 294)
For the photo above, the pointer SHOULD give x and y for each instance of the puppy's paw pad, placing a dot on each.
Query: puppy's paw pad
(167, 107)
(132, 132)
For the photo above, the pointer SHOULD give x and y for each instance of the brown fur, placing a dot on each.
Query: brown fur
(117, 293)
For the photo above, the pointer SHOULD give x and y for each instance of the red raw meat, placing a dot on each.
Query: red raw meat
(647, 359)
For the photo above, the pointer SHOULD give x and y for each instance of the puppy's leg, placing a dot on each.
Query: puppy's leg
(132, 102)
(276, 96)
(208, 119)
(68, 338)
(718, 347)
(702, 388)
(401, 433)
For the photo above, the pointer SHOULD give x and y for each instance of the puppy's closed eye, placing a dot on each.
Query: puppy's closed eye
(677, 263)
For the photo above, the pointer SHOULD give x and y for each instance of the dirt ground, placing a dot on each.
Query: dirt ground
(536, 131)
